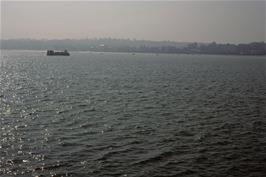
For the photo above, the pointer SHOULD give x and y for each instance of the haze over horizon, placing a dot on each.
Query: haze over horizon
(223, 22)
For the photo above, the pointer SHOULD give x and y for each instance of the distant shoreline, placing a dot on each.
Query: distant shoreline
(136, 53)
(135, 46)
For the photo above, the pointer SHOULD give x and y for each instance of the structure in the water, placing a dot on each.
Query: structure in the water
(52, 53)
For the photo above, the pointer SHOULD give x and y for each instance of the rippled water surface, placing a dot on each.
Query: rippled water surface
(143, 115)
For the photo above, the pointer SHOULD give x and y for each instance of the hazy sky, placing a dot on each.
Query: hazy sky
(204, 21)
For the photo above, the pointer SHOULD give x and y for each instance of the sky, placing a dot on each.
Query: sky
(183, 21)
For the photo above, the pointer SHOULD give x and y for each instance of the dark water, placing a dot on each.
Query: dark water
(142, 115)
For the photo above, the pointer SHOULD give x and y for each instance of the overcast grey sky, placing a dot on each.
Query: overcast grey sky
(204, 21)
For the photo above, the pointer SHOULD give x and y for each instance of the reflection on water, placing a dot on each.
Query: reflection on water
(132, 115)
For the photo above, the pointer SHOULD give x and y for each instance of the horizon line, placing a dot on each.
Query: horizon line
(131, 39)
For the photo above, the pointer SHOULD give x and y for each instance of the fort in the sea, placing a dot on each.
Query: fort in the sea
(53, 53)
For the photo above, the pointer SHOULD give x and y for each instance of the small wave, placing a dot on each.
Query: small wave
(157, 158)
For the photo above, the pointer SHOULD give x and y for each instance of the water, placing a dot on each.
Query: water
(142, 115)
